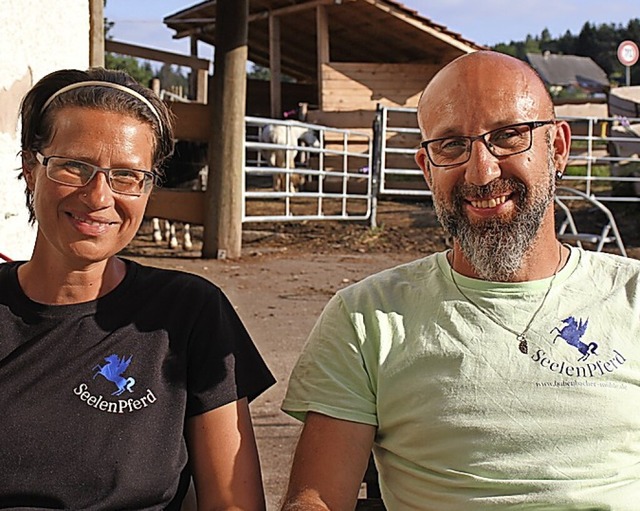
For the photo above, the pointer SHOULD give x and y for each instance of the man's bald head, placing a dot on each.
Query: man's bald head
(486, 75)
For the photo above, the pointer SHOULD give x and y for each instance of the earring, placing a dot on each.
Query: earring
(558, 175)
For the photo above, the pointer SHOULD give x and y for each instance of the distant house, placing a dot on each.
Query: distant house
(570, 73)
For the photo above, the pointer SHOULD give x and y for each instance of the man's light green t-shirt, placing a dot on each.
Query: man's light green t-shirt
(467, 422)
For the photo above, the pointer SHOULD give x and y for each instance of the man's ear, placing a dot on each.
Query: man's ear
(423, 162)
(561, 145)
(29, 163)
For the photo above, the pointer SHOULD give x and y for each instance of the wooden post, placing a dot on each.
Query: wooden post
(202, 76)
(275, 88)
(225, 184)
(198, 77)
(322, 48)
(156, 85)
(96, 33)
(193, 75)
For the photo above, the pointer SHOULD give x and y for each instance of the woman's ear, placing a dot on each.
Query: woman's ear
(29, 163)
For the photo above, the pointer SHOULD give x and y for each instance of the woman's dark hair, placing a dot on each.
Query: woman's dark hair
(37, 124)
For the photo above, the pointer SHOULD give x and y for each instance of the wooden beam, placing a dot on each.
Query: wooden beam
(201, 30)
(275, 89)
(193, 121)
(294, 70)
(144, 52)
(322, 47)
(291, 9)
(442, 36)
(177, 205)
(96, 33)
(225, 184)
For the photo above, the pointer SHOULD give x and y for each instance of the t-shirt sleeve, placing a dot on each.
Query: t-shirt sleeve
(224, 364)
(333, 376)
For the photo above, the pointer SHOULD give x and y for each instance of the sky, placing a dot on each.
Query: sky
(485, 22)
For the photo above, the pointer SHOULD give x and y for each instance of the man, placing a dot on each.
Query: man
(502, 374)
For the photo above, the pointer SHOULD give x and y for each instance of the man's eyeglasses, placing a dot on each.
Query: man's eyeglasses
(78, 173)
(504, 141)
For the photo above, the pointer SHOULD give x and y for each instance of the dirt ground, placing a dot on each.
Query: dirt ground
(287, 273)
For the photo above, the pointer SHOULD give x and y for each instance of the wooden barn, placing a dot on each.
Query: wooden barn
(339, 57)
(334, 61)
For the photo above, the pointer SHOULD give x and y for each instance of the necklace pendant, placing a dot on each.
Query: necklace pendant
(522, 346)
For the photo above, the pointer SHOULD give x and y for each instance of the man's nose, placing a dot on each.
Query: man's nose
(482, 167)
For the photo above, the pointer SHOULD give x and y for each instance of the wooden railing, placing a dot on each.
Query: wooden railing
(199, 67)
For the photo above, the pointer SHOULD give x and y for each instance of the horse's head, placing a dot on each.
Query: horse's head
(112, 359)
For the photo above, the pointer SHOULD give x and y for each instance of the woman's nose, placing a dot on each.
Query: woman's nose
(97, 193)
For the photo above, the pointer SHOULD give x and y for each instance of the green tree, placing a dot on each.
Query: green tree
(140, 71)
(566, 45)
(257, 72)
(173, 80)
(508, 49)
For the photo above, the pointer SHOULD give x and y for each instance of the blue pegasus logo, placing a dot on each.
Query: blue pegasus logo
(113, 370)
(572, 332)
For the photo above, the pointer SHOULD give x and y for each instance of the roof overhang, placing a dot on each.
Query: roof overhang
(359, 31)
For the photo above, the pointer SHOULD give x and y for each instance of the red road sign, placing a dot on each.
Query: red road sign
(628, 53)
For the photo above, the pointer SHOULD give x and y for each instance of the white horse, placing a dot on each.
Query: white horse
(288, 135)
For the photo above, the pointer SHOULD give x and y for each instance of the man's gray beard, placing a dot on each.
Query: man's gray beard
(496, 247)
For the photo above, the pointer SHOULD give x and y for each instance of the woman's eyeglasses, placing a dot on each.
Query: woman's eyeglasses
(78, 173)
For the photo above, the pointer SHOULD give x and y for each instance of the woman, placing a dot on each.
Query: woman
(119, 382)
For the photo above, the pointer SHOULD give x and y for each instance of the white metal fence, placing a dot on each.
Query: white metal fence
(287, 178)
(604, 150)
(608, 149)
(398, 139)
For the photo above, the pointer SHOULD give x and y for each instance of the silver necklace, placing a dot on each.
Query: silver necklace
(521, 337)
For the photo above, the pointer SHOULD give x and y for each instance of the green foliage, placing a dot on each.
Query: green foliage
(172, 79)
(140, 71)
(257, 72)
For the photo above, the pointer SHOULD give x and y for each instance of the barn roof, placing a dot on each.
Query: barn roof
(359, 30)
(568, 70)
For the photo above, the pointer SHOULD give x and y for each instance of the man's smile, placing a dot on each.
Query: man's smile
(488, 203)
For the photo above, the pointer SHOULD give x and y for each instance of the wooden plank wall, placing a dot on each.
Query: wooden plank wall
(362, 121)
(361, 86)
(292, 94)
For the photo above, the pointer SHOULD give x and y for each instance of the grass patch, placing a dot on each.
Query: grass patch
(584, 144)
(581, 170)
